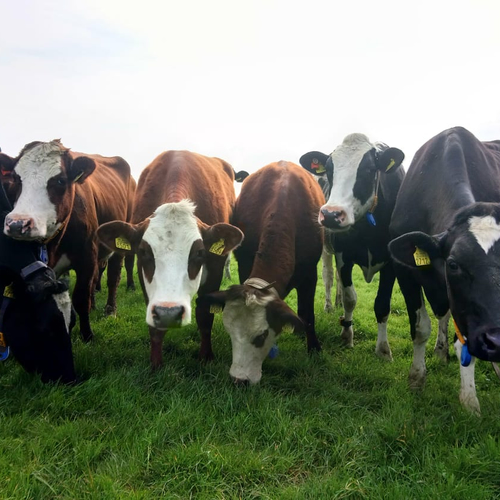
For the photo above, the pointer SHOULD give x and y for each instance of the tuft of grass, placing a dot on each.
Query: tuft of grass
(334, 425)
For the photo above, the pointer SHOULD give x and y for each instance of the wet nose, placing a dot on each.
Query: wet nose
(167, 316)
(241, 382)
(18, 226)
(332, 217)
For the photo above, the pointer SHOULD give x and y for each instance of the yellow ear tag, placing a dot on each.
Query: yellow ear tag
(218, 247)
(122, 243)
(391, 164)
(77, 177)
(2, 340)
(8, 292)
(321, 169)
(288, 328)
(421, 257)
(215, 308)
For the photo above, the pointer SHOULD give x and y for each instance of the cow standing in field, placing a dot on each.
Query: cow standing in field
(447, 224)
(364, 180)
(60, 198)
(181, 235)
(276, 211)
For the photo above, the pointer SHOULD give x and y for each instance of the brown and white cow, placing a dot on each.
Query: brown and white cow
(277, 210)
(181, 235)
(60, 197)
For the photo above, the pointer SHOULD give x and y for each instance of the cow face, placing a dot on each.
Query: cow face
(254, 318)
(173, 249)
(352, 170)
(40, 184)
(469, 255)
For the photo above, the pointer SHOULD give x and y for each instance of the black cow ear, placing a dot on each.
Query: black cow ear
(280, 316)
(80, 168)
(214, 300)
(314, 162)
(241, 175)
(390, 160)
(417, 249)
(7, 164)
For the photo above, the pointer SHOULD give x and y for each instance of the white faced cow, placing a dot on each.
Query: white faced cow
(364, 180)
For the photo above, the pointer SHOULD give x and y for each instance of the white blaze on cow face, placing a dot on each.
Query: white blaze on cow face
(35, 168)
(251, 336)
(486, 230)
(172, 230)
(346, 159)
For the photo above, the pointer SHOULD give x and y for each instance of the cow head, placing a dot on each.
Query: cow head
(254, 318)
(469, 253)
(40, 185)
(351, 170)
(173, 247)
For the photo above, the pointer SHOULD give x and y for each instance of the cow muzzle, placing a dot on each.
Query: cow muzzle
(334, 218)
(167, 315)
(485, 345)
(19, 227)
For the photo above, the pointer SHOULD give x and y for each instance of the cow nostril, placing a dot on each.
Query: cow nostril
(241, 382)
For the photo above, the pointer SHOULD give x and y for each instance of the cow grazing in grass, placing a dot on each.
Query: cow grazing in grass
(447, 224)
(181, 236)
(276, 210)
(60, 198)
(363, 182)
(35, 310)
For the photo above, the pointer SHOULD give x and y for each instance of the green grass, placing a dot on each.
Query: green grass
(341, 424)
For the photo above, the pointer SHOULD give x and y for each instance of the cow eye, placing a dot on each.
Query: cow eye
(61, 182)
(260, 339)
(453, 265)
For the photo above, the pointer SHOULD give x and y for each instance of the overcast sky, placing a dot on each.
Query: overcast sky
(251, 81)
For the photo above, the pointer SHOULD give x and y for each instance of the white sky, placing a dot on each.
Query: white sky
(251, 81)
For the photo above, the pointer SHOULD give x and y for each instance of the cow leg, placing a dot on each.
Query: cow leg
(114, 274)
(338, 291)
(441, 349)
(156, 336)
(382, 309)
(227, 267)
(349, 298)
(327, 273)
(129, 267)
(305, 306)
(84, 286)
(468, 396)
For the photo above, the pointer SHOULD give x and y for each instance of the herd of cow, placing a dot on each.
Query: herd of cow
(436, 229)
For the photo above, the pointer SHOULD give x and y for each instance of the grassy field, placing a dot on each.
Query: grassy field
(341, 424)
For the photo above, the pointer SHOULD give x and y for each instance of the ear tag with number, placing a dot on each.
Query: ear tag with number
(122, 243)
(218, 247)
(421, 257)
(319, 167)
(465, 357)
(215, 308)
(8, 292)
(391, 164)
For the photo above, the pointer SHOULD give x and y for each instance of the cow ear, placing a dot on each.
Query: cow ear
(390, 160)
(280, 316)
(314, 162)
(7, 164)
(220, 238)
(417, 249)
(214, 300)
(241, 175)
(80, 168)
(121, 236)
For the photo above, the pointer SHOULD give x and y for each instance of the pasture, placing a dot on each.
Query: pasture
(341, 424)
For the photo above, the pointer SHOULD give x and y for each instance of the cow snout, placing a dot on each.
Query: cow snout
(167, 316)
(18, 227)
(332, 217)
(241, 382)
(486, 345)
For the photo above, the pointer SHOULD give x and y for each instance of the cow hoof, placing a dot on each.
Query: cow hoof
(347, 337)
(471, 404)
(131, 287)
(328, 307)
(87, 337)
(110, 310)
(416, 379)
(442, 353)
(383, 351)
(206, 357)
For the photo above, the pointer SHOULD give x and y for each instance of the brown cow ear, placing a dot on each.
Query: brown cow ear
(220, 238)
(121, 236)
(80, 168)
(280, 316)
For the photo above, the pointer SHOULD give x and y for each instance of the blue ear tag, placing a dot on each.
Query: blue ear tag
(44, 256)
(370, 218)
(465, 358)
(4, 353)
(273, 352)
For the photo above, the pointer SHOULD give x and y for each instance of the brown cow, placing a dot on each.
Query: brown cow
(60, 198)
(181, 236)
(277, 210)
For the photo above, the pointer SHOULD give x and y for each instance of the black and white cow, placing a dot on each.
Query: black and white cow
(364, 180)
(447, 224)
